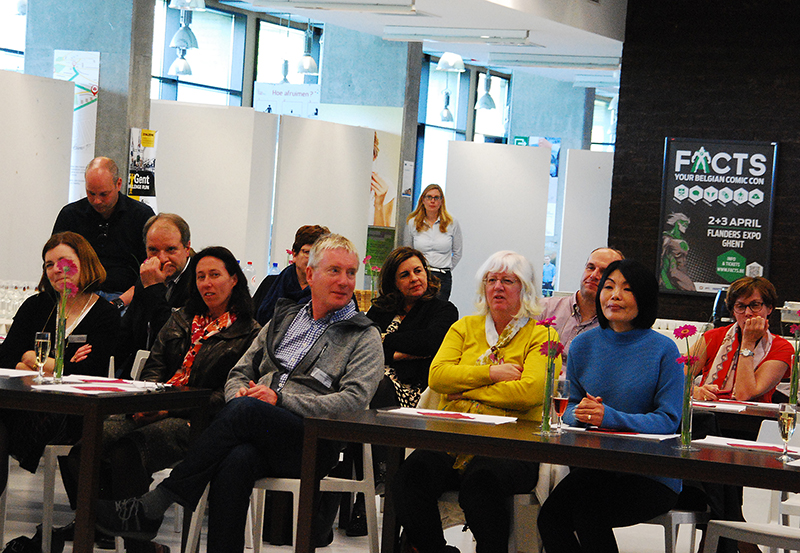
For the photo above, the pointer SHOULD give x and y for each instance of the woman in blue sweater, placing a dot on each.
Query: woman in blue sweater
(623, 376)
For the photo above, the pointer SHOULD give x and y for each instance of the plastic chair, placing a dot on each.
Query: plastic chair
(292, 485)
(771, 535)
(672, 520)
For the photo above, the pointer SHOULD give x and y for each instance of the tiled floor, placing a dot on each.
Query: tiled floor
(25, 502)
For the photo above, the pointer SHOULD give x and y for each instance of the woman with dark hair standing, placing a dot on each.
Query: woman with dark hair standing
(432, 230)
(413, 323)
(623, 376)
(196, 347)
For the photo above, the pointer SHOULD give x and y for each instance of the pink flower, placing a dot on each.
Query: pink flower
(794, 329)
(685, 331)
(71, 289)
(376, 269)
(66, 266)
(687, 359)
(366, 259)
(290, 252)
(550, 321)
(552, 349)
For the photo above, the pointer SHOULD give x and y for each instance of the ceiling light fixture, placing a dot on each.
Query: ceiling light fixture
(463, 35)
(451, 63)
(446, 114)
(308, 64)
(184, 39)
(401, 7)
(610, 63)
(485, 101)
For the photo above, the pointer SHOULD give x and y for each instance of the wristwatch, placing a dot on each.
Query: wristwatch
(119, 304)
(747, 352)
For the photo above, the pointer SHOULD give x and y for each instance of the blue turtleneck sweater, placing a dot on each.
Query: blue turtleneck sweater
(637, 376)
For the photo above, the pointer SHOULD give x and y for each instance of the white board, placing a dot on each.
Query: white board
(498, 193)
(587, 200)
(215, 168)
(323, 178)
(36, 143)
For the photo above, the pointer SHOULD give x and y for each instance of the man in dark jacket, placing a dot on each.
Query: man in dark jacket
(161, 287)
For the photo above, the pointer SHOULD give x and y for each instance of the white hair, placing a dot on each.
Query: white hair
(506, 261)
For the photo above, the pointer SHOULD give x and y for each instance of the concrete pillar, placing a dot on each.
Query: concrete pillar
(122, 31)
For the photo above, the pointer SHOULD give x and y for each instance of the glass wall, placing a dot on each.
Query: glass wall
(12, 35)
(280, 47)
(604, 124)
(216, 64)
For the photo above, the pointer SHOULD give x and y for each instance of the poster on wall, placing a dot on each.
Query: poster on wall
(383, 184)
(142, 166)
(83, 69)
(716, 213)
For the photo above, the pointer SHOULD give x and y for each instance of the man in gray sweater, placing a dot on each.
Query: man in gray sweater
(320, 358)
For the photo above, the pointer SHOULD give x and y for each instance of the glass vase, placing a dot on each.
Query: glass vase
(547, 400)
(686, 412)
(61, 335)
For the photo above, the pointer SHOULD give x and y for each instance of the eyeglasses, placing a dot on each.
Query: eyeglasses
(431, 198)
(506, 282)
(755, 306)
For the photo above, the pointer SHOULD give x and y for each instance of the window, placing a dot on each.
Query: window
(217, 63)
(280, 42)
(491, 125)
(12, 36)
(604, 124)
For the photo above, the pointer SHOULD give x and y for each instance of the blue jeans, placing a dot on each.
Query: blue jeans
(249, 439)
(445, 284)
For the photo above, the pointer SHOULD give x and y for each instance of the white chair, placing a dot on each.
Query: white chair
(672, 520)
(328, 484)
(774, 533)
(138, 363)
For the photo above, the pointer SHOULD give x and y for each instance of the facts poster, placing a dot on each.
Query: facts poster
(716, 213)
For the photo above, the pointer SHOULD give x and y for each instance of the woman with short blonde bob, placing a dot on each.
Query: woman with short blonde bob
(489, 363)
(432, 230)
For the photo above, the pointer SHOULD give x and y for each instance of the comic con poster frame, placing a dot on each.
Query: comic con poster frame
(716, 213)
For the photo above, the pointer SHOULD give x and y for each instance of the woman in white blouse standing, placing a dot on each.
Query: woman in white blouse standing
(433, 231)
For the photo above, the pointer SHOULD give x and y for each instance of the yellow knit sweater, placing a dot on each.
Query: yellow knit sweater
(453, 370)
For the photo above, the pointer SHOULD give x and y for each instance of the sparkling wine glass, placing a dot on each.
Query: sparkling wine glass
(787, 418)
(41, 348)
(560, 401)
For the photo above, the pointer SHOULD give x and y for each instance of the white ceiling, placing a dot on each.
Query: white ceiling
(558, 30)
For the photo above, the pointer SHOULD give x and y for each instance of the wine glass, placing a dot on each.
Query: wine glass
(787, 418)
(41, 348)
(560, 401)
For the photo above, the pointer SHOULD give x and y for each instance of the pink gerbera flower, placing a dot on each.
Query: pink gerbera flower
(684, 331)
(550, 321)
(552, 349)
(67, 266)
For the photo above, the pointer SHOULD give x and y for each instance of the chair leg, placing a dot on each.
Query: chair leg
(256, 518)
(193, 541)
(712, 539)
(670, 538)
(48, 498)
(692, 537)
(372, 523)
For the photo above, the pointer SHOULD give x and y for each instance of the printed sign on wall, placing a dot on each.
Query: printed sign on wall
(716, 213)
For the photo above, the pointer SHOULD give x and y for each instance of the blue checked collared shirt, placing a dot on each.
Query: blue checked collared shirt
(303, 333)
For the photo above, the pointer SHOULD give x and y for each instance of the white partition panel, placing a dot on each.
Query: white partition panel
(35, 143)
(215, 167)
(323, 178)
(498, 193)
(587, 198)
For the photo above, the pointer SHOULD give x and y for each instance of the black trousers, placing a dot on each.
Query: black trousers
(585, 507)
(484, 487)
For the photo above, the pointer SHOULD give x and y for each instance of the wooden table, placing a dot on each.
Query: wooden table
(741, 424)
(17, 393)
(521, 440)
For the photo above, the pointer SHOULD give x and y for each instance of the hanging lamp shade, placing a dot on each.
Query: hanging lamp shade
(194, 5)
(446, 114)
(184, 38)
(180, 66)
(308, 64)
(451, 62)
(486, 101)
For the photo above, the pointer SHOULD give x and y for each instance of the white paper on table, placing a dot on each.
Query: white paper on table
(719, 406)
(15, 373)
(622, 433)
(448, 415)
(765, 447)
(81, 384)
(795, 463)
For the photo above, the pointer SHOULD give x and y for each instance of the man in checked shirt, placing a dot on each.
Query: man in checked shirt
(320, 358)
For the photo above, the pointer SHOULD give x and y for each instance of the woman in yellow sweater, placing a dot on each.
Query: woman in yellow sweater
(488, 363)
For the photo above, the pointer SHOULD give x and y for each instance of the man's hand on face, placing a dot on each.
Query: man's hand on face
(151, 272)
